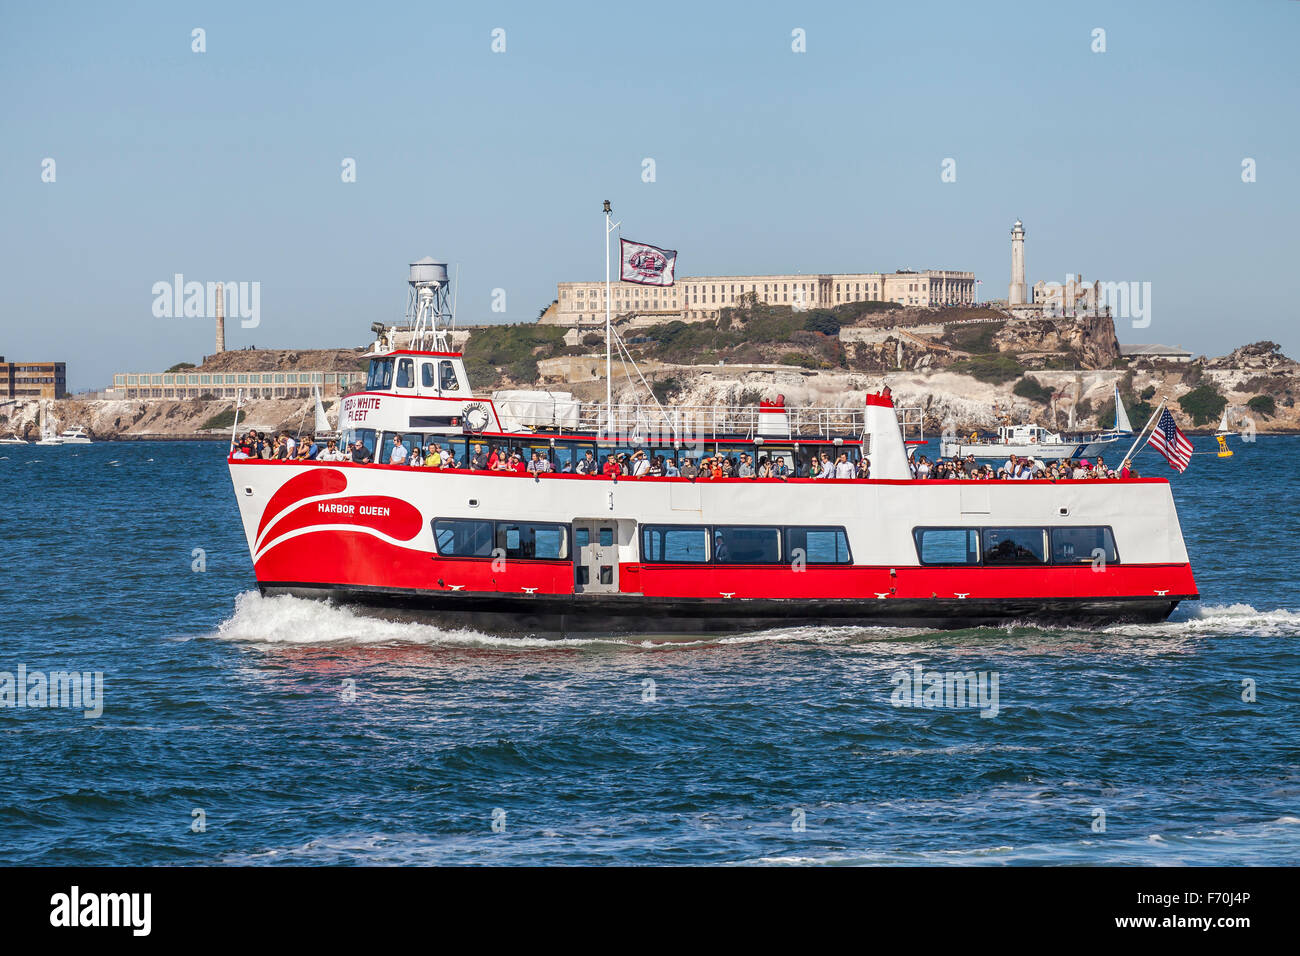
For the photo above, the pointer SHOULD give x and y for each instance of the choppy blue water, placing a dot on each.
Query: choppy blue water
(218, 701)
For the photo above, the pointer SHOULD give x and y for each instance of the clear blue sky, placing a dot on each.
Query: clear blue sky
(1124, 165)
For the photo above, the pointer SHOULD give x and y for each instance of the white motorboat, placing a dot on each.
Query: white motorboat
(75, 436)
(1035, 441)
(14, 440)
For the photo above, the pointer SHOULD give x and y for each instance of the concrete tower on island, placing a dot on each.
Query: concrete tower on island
(1016, 294)
(221, 317)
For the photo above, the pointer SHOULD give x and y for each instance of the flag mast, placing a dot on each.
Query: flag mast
(609, 362)
(1143, 432)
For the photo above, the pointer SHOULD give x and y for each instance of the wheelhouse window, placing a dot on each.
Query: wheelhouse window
(447, 381)
(380, 376)
(456, 538)
(1083, 545)
(406, 373)
(947, 546)
(746, 545)
(1013, 545)
(426, 374)
(682, 544)
(815, 545)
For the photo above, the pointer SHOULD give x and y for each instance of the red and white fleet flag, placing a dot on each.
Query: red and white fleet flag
(645, 264)
(1171, 442)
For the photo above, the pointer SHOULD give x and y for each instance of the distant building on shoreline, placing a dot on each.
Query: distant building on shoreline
(254, 373)
(701, 298)
(28, 380)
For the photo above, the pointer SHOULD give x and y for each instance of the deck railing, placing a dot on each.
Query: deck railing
(698, 422)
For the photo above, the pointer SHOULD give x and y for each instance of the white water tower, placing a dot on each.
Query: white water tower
(428, 306)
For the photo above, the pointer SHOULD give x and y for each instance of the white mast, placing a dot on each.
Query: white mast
(609, 361)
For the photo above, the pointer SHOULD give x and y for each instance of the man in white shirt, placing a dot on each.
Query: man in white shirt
(640, 464)
(331, 452)
(398, 455)
(844, 467)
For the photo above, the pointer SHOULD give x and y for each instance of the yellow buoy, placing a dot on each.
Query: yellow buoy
(1224, 450)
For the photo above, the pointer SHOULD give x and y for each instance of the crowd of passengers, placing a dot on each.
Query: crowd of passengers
(1019, 468)
(638, 464)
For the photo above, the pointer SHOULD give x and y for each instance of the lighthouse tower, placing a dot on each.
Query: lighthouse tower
(1016, 295)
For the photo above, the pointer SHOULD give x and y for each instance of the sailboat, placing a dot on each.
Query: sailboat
(48, 435)
(1221, 435)
(322, 429)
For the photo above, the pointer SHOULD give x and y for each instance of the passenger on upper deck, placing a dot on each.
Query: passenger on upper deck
(331, 452)
(397, 455)
(588, 464)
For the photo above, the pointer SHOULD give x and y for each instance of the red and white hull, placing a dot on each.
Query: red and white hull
(364, 534)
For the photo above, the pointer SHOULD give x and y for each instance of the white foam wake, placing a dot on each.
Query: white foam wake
(1240, 620)
(284, 619)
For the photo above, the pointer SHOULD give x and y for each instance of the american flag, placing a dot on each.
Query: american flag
(1170, 442)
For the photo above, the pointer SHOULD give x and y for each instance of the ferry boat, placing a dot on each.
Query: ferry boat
(1026, 441)
(560, 551)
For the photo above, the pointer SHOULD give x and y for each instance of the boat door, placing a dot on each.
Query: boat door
(595, 555)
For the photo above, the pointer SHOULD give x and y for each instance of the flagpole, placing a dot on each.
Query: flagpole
(609, 364)
(234, 429)
(1143, 432)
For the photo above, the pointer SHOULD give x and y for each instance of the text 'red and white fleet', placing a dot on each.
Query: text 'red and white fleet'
(562, 552)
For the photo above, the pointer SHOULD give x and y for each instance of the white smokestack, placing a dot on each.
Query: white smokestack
(886, 453)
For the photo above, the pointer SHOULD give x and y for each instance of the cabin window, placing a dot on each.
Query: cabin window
(817, 546)
(683, 544)
(536, 541)
(1013, 545)
(456, 538)
(743, 545)
(426, 374)
(606, 537)
(1083, 546)
(406, 373)
(773, 455)
(380, 377)
(947, 546)
(366, 436)
(447, 377)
